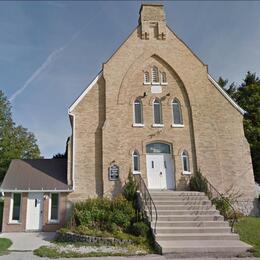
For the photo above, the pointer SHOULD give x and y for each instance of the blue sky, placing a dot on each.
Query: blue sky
(50, 51)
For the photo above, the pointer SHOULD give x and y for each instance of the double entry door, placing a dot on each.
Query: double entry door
(160, 171)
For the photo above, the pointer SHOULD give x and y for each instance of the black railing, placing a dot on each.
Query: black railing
(147, 201)
(214, 195)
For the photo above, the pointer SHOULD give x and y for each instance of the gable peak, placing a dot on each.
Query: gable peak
(152, 21)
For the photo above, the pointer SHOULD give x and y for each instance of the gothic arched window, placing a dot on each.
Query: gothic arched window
(157, 112)
(176, 112)
(138, 112)
(155, 75)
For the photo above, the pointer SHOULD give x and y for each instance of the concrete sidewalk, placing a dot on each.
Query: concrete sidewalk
(24, 241)
(30, 256)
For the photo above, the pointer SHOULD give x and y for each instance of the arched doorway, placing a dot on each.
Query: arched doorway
(159, 165)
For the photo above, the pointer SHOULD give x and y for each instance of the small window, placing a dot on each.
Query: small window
(163, 78)
(185, 161)
(155, 75)
(136, 161)
(54, 216)
(16, 206)
(146, 77)
(157, 112)
(138, 112)
(176, 112)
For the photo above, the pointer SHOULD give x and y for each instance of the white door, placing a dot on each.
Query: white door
(159, 171)
(34, 216)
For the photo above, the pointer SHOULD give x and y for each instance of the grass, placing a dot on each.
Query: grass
(5, 243)
(248, 229)
(53, 252)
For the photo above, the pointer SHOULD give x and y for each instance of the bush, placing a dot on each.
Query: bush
(198, 183)
(104, 214)
(139, 229)
(130, 189)
(222, 204)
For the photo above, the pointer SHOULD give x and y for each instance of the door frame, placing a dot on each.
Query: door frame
(172, 157)
(28, 213)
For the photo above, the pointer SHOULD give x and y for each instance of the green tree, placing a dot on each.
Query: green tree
(231, 89)
(247, 95)
(15, 141)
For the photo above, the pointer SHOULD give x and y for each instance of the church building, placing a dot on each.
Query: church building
(153, 110)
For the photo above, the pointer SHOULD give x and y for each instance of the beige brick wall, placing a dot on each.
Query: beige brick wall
(89, 118)
(213, 132)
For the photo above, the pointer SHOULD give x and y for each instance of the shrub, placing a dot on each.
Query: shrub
(104, 214)
(222, 204)
(139, 229)
(130, 189)
(198, 183)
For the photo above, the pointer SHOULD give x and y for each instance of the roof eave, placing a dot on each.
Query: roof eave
(224, 93)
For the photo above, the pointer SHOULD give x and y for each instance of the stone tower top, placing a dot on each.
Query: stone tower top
(152, 21)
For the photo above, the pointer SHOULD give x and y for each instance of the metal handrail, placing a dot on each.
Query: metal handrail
(147, 200)
(211, 197)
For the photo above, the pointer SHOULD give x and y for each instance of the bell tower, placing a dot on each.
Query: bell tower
(152, 21)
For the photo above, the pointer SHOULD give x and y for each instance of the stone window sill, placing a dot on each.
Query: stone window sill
(158, 125)
(177, 126)
(138, 125)
(14, 223)
(186, 173)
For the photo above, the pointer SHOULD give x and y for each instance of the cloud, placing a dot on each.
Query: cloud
(50, 59)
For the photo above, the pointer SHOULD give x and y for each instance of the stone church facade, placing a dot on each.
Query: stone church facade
(154, 110)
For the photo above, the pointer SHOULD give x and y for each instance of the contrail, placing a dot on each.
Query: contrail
(50, 59)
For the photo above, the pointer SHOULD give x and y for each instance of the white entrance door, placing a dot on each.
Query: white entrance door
(34, 217)
(159, 171)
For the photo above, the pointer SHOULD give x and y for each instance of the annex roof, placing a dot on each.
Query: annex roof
(36, 175)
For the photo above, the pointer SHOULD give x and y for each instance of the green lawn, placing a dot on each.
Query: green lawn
(4, 245)
(248, 229)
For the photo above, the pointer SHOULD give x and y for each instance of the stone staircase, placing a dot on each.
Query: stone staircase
(189, 225)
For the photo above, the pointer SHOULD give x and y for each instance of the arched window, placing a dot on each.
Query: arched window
(176, 112)
(157, 112)
(136, 161)
(163, 78)
(138, 112)
(146, 77)
(155, 75)
(185, 161)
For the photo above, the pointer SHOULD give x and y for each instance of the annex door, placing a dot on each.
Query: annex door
(34, 216)
(159, 166)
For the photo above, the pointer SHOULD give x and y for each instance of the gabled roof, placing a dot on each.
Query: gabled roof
(36, 175)
(84, 93)
(224, 93)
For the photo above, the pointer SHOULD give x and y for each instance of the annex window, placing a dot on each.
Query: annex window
(146, 77)
(176, 112)
(16, 207)
(155, 75)
(138, 112)
(136, 161)
(54, 207)
(163, 78)
(157, 112)
(185, 161)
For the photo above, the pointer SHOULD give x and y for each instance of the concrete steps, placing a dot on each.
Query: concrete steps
(189, 224)
(212, 223)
